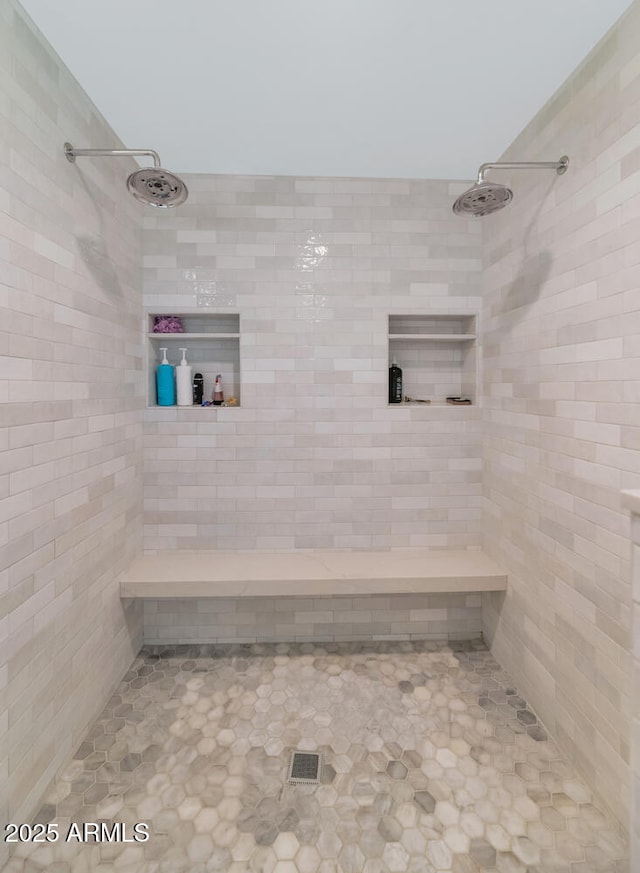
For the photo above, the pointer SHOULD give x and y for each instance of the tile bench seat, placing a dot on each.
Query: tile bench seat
(310, 573)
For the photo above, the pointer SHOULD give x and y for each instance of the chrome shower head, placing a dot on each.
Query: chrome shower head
(153, 186)
(484, 197)
(157, 187)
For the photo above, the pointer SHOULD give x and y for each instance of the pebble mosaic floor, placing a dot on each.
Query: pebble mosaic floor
(432, 763)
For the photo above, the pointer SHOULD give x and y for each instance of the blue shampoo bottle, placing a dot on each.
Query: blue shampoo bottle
(165, 382)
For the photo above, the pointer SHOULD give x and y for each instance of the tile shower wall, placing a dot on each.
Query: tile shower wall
(318, 619)
(562, 340)
(635, 709)
(315, 457)
(70, 416)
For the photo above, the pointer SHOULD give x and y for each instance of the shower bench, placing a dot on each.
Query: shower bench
(308, 573)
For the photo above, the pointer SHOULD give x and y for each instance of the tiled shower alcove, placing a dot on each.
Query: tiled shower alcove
(432, 763)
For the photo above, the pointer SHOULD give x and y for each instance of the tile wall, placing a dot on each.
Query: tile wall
(562, 417)
(315, 457)
(318, 619)
(70, 416)
(632, 501)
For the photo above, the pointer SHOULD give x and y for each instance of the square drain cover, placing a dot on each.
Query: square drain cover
(304, 768)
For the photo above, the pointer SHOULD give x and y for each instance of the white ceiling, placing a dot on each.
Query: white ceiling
(386, 88)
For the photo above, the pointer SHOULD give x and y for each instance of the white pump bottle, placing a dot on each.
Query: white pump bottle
(183, 381)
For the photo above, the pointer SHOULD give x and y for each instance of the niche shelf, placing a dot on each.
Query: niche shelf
(212, 341)
(437, 354)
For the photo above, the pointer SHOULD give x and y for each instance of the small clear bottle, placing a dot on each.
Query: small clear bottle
(218, 395)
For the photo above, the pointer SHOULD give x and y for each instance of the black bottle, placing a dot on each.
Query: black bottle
(198, 389)
(395, 383)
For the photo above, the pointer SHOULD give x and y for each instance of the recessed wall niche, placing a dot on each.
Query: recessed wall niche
(212, 341)
(437, 354)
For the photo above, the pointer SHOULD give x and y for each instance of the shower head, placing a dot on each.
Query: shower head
(484, 197)
(153, 186)
(157, 187)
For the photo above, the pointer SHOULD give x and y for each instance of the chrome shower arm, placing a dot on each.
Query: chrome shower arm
(559, 166)
(72, 153)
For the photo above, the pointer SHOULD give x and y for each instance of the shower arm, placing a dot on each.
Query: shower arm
(72, 153)
(559, 166)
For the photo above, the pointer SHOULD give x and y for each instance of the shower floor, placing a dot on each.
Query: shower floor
(431, 761)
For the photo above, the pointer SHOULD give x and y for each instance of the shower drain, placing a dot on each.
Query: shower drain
(304, 768)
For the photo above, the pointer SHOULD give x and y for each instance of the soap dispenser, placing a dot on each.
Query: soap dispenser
(183, 381)
(165, 382)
